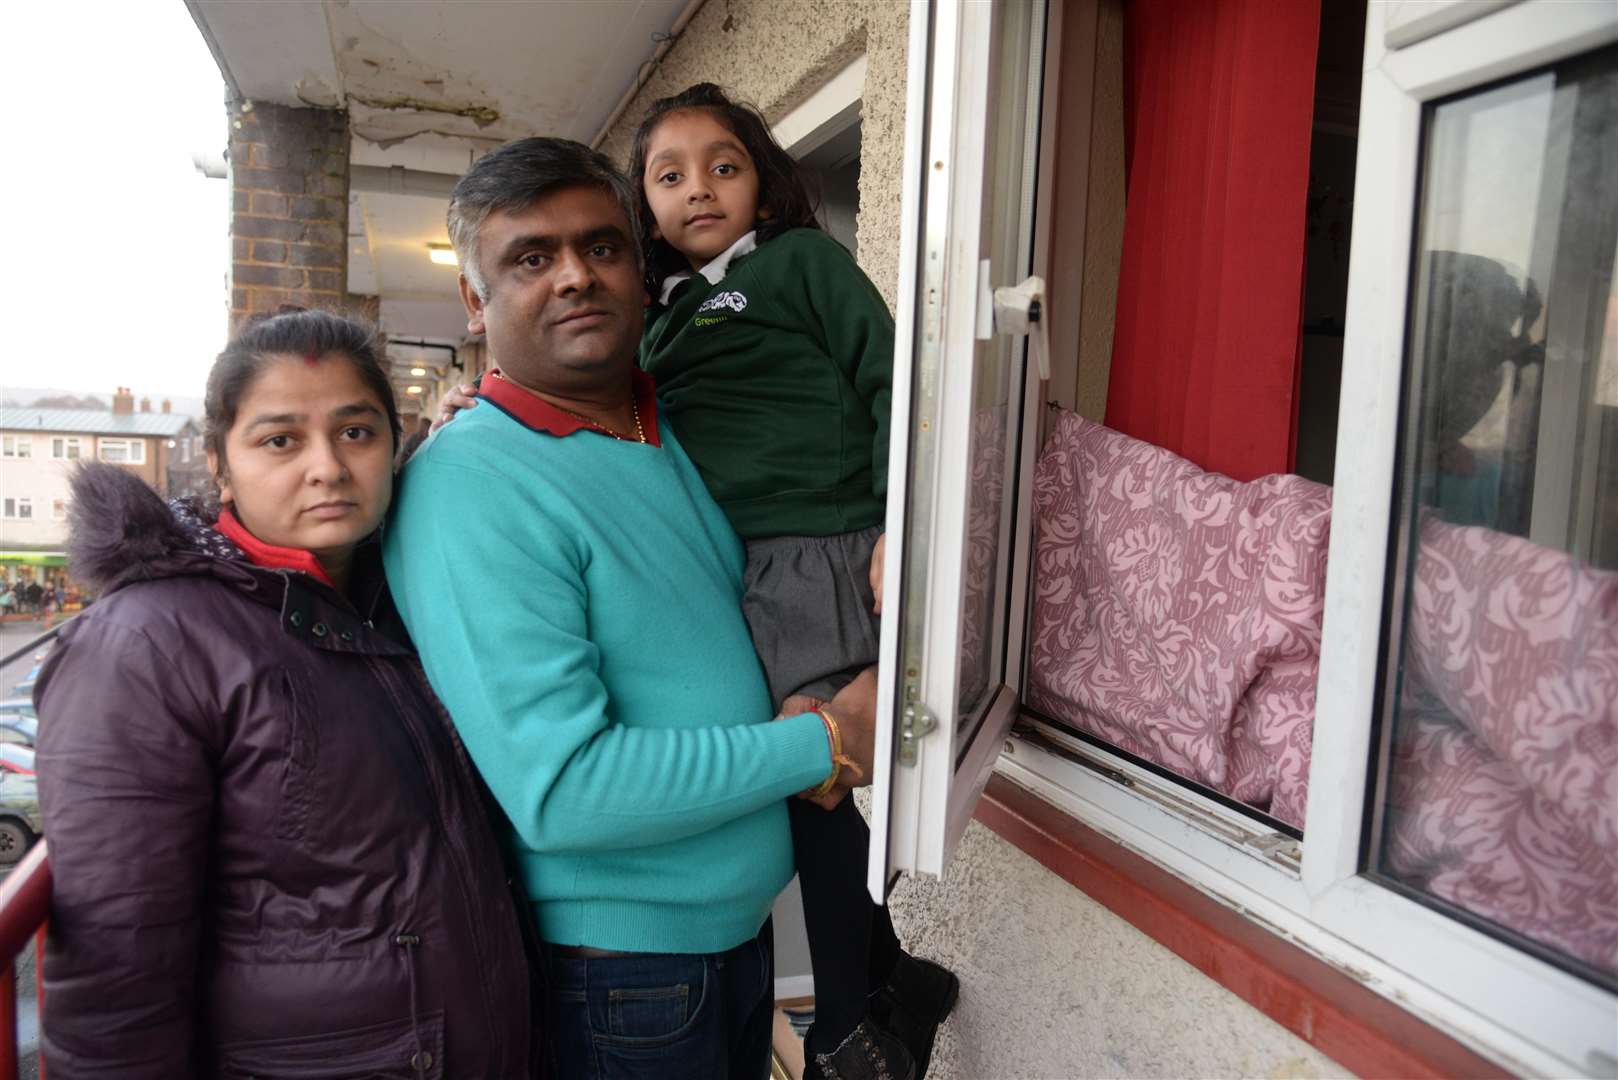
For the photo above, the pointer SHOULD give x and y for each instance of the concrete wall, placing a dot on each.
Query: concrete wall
(775, 55)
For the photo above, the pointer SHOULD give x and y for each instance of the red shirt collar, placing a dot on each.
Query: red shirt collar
(540, 415)
(268, 555)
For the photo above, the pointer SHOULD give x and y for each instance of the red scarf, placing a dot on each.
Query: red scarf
(268, 555)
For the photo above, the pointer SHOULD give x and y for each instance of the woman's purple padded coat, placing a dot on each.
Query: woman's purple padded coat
(271, 854)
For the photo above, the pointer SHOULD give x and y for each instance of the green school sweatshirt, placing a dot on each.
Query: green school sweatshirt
(777, 381)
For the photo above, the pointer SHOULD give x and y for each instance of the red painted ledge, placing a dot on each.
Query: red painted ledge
(1350, 1024)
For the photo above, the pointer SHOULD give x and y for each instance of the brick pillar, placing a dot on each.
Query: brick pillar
(289, 211)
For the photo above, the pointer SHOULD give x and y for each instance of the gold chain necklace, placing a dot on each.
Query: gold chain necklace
(634, 411)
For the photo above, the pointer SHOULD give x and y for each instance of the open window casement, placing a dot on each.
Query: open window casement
(962, 386)
(960, 531)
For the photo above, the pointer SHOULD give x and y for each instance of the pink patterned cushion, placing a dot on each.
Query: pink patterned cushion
(1177, 615)
(1505, 774)
(1177, 612)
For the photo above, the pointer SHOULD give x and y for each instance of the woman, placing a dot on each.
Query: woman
(270, 854)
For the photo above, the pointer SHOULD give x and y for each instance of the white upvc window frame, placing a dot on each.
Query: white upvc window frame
(1525, 1013)
(134, 449)
(61, 444)
(58, 509)
(921, 806)
(18, 508)
(17, 447)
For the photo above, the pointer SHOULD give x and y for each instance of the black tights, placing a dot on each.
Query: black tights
(851, 941)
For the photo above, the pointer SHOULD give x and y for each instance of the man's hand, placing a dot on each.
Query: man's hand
(796, 705)
(463, 396)
(854, 709)
(878, 555)
(829, 800)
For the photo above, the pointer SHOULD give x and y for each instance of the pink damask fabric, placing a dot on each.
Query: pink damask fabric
(986, 500)
(1177, 615)
(1504, 783)
(1177, 612)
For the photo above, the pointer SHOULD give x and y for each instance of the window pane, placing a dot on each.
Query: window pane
(1499, 786)
(997, 391)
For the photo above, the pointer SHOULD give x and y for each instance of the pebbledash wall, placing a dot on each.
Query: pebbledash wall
(775, 56)
(1053, 984)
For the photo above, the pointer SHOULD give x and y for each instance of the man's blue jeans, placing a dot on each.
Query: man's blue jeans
(664, 1016)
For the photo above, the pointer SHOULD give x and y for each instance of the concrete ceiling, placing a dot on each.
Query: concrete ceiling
(431, 86)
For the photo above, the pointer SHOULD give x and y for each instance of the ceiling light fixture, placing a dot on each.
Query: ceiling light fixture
(418, 372)
(442, 254)
(412, 389)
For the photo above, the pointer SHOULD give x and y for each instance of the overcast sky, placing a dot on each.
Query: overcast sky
(115, 269)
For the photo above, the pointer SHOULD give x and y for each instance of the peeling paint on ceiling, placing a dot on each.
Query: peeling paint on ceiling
(481, 71)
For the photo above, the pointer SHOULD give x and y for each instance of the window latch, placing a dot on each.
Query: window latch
(1017, 311)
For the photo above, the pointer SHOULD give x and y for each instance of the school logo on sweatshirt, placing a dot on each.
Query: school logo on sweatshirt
(735, 301)
(719, 302)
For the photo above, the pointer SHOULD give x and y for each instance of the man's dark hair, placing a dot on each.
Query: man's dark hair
(290, 332)
(512, 178)
(785, 198)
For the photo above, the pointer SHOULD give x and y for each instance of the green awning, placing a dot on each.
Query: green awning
(34, 558)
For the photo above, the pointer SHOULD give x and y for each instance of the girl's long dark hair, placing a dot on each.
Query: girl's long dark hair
(785, 197)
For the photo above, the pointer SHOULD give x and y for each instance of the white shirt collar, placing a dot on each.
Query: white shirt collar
(716, 270)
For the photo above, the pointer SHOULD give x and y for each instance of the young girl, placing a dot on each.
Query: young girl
(773, 357)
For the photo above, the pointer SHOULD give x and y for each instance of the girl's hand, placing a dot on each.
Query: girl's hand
(462, 397)
(878, 555)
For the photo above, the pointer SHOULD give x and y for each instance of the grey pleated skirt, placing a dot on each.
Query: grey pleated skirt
(808, 604)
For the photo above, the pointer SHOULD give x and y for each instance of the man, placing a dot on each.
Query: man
(603, 679)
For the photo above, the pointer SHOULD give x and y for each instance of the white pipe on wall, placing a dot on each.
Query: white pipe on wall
(646, 71)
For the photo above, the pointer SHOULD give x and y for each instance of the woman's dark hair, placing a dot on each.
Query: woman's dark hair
(290, 332)
(785, 200)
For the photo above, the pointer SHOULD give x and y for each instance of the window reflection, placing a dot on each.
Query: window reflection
(997, 383)
(1499, 792)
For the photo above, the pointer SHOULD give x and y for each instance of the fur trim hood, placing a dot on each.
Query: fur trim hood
(121, 531)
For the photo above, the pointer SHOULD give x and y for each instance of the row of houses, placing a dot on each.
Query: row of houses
(39, 448)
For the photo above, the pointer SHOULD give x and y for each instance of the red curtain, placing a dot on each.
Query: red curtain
(1218, 100)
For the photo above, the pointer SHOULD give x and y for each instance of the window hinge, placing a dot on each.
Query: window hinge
(914, 722)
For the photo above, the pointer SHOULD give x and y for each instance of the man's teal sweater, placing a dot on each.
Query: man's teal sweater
(577, 605)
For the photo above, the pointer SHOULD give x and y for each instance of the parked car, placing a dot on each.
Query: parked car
(17, 758)
(20, 824)
(19, 723)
